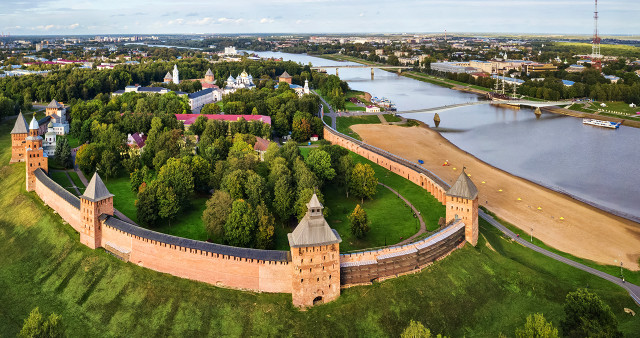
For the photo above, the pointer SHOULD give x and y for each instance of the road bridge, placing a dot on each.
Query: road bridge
(536, 104)
(399, 68)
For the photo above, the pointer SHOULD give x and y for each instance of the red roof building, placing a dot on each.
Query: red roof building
(189, 119)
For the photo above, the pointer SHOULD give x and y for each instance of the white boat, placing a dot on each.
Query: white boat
(601, 123)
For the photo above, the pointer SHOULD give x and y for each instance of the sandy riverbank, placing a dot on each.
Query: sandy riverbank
(585, 231)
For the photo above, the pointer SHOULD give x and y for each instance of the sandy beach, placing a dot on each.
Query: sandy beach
(559, 220)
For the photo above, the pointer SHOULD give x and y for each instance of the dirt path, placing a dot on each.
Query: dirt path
(558, 220)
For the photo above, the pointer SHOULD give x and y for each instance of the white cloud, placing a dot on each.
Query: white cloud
(361, 14)
(74, 26)
(176, 22)
(227, 20)
(201, 22)
(266, 20)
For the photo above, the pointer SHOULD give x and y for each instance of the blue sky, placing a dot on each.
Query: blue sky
(20, 17)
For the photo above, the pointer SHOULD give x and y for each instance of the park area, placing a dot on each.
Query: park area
(391, 219)
(43, 264)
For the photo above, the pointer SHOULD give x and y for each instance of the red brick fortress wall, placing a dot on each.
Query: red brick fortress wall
(411, 171)
(125, 241)
(257, 270)
(57, 198)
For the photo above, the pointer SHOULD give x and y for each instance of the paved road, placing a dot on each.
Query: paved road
(634, 290)
(332, 114)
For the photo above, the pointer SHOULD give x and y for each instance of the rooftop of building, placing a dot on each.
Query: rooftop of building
(463, 187)
(96, 190)
(20, 127)
(313, 229)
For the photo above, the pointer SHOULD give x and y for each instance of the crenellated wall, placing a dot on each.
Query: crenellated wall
(259, 270)
(63, 202)
(411, 171)
(366, 266)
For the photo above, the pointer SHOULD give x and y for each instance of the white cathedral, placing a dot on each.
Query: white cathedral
(243, 81)
(175, 78)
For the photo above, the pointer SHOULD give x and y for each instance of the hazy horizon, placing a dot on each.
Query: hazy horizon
(526, 17)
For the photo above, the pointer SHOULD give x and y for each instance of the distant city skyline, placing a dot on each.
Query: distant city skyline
(49, 17)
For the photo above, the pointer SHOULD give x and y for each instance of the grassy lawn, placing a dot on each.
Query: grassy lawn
(428, 206)
(76, 180)
(614, 270)
(73, 142)
(412, 75)
(390, 219)
(124, 199)
(327, 119)
(475, 292)
(613, 109)
(392, 118)
(189, 224)
(344, 123)
(61, 178)
(350, 106)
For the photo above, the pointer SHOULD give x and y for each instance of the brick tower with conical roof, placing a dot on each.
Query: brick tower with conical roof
(462, 204)
(95, 202)
(315, 256)
(34, 154)
(19, 135)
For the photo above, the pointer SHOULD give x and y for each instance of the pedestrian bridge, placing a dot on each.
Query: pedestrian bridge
(536, 104)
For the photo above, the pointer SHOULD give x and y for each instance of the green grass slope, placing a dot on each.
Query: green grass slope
(475, 292)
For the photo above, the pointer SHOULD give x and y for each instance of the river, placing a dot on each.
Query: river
(595, 165)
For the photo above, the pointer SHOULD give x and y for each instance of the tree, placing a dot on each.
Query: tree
(201, 171)
(282, 198)
(146, 205)
(417, 330)
(264, 236)
(234, 183)
(537, 327)
(87, 157)
(199, 125)
(359, 222)
(210, 108)
(241, 224)
(168, 204)
(109, 164)
(216, 213)
(37, 326)
(177, 175)
(137, 177)
(344, 170)
(255, 188)
(63, 152)
(586, 315)
(319, 162)
(363, 182)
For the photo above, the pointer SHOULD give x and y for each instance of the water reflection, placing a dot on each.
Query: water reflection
(593, 164)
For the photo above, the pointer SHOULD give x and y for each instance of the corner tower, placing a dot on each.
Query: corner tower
(34, 154)
(315, 254)
(95, 201)
(18, 139)
(462, 203)
(208, 77)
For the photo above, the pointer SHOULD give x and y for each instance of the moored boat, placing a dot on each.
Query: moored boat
(601, 123)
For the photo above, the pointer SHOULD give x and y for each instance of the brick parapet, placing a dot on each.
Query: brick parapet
(411, 171)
